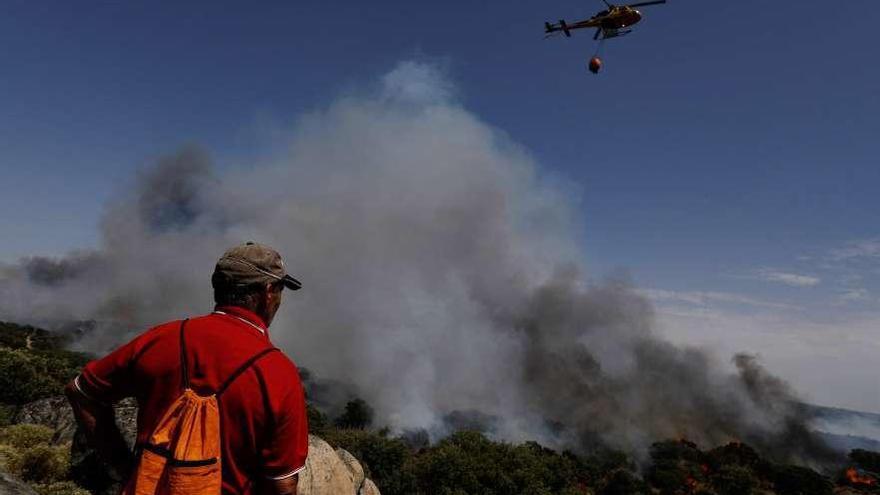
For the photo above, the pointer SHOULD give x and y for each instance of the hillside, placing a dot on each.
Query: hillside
(35, 365)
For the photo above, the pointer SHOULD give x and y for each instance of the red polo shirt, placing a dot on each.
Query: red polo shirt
(263, 415)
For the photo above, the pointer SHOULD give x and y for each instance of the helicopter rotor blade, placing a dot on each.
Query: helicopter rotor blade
(608, 4)
(642, 4)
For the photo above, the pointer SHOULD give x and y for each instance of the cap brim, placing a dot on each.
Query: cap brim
(291, 283)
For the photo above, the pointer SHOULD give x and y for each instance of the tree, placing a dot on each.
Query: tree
(358, 415)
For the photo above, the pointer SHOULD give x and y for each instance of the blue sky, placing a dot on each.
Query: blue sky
(726, 156)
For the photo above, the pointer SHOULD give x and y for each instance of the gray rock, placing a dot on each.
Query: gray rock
(11, 486)
(54, 412)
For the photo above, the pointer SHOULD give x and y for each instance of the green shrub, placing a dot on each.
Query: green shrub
(23, 377)
(796, 480)
(667, 476)
(24, 436)
(7, 453)
(42, 463)
(383, 458)
(464, 463)
(734, 480)
(28, 375)
(318, 422)
(34, 364)
(623, 482)
(468, 462)
(25, 452)
(60, 488)
(7, 413)
(734, 453)
(865, 459)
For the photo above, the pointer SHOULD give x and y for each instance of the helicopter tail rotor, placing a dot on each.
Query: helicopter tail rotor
(564, 27)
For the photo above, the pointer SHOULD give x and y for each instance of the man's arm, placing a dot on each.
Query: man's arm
(98, 421)
(286, 486)
(285, 449)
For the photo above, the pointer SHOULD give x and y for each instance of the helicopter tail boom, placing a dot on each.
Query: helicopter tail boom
(555, 28)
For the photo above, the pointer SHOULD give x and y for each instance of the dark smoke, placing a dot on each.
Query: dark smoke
(169, 194)
(50, 272)
(443, 284)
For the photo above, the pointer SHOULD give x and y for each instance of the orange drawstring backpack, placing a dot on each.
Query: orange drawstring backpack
(182, 455)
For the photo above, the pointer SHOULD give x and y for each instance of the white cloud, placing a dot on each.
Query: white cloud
(865, 248)
(706, 298)
(790, 279)
(854, 295)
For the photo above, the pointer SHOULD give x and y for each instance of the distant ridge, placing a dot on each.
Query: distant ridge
(845, 429)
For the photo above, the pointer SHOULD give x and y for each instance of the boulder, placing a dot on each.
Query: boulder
(325, 472)
(354, 467)
(368, 488)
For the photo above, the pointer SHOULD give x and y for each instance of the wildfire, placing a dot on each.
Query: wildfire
(857, 478)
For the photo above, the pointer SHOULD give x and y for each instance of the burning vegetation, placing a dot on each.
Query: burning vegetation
(862, 474)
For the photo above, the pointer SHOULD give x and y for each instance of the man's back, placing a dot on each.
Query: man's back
(264, 433)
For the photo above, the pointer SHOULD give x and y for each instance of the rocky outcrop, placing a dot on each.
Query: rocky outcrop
(327, 472)
(55, 412)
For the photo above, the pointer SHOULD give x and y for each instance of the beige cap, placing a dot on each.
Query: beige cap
(251, 263)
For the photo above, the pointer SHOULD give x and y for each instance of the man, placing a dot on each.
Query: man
(263, 429)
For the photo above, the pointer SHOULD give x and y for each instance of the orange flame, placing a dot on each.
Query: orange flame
(856, 478)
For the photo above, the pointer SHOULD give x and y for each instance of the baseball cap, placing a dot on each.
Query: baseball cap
(251, 263)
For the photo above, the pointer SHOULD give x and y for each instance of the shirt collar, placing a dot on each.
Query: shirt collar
(246, 316)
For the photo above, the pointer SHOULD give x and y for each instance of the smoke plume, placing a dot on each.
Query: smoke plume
(442, 274)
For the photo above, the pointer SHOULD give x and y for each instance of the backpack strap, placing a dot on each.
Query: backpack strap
(241, 369)
(183, 364)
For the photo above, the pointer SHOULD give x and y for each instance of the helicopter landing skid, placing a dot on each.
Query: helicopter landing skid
(604, 34)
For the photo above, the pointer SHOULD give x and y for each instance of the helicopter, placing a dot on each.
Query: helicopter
(609, 23)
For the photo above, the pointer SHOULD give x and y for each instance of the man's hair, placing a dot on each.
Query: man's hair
(242, 296)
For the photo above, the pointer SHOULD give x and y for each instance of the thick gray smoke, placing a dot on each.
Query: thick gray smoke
(441, 274)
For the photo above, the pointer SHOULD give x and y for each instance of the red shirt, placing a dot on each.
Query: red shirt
(263, 415)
